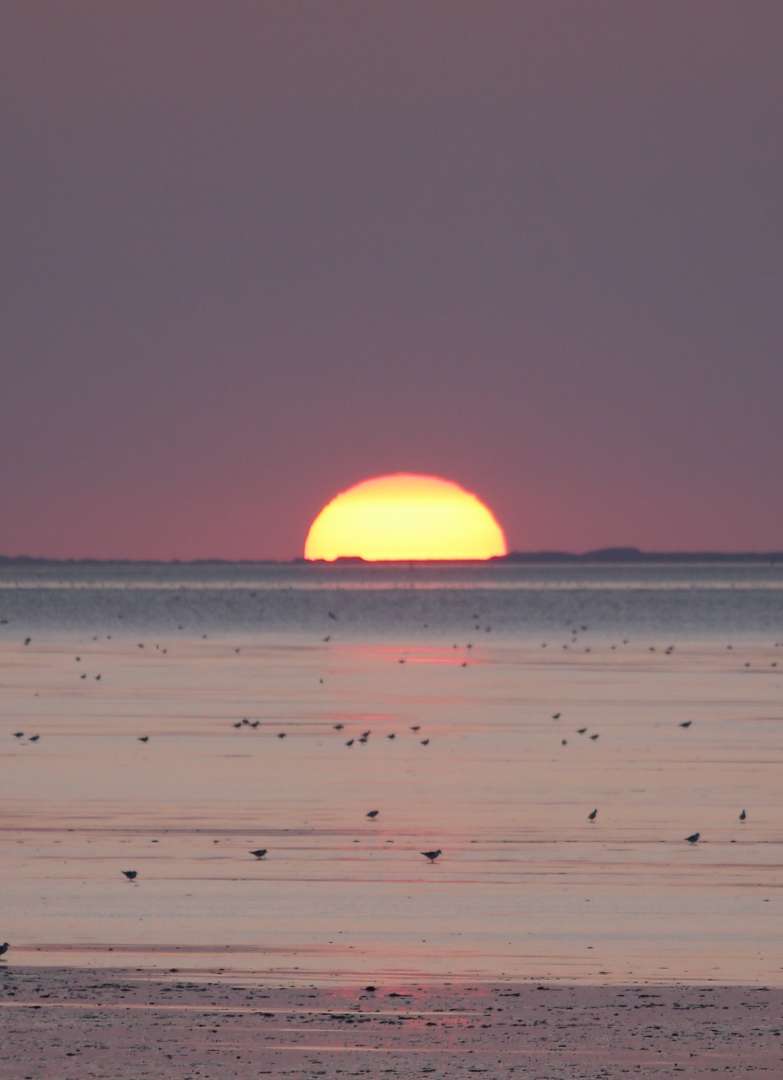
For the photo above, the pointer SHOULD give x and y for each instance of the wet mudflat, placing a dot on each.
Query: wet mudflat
(117, 1024)
(527, 885)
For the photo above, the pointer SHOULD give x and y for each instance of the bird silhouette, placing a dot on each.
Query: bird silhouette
(693, 838)
(592, 815)
(581, 730)
(18, 734)
(144, 738)
(131, 875)
(349, 743)
(34, 738)
(556, 715)
(432, 855)
(259, 852)
(338, 727)
(743, 815)
(4, 948)
(596, 736)
(425, 742)
(373, 813)
(415, 727)
(685, 723)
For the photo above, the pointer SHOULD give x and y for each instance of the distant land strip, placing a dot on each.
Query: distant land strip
(599, 555)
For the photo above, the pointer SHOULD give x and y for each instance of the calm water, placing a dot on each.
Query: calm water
(481, 744)
(525, 602)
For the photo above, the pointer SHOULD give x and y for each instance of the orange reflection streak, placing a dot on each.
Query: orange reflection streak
(405, 516)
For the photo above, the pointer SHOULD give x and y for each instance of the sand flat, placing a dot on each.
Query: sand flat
(118, 1024)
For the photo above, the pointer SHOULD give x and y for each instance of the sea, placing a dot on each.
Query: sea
(704, 601)
(170, 719)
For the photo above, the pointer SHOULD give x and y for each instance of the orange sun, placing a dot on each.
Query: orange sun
(405, 516)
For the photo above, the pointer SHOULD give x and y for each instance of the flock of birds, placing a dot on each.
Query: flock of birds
(433, 855)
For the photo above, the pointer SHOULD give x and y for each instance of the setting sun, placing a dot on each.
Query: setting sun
(405, 516)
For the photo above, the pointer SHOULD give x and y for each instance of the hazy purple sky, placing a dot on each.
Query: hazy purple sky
(254, 252)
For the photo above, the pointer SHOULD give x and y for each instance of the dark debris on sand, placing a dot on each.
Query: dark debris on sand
(117, 1025)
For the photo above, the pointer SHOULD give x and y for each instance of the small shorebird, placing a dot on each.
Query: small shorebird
(581, 730)
(373, 813)
(432, 855)
(34, 738)
(144, 738)
(425, 742)
(338, 727)
(743, 815)
(259, 852)
(592, 815)
(131, 875)
(685, 723)
(693, 838)
(596, 736)
(281, 734)
(349, 743)
(556, 715)
(4, 948)
(415, 727)
(18, 734)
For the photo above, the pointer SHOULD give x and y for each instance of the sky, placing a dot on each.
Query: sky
(255, 252)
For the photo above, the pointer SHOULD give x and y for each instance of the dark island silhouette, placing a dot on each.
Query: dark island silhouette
(597, 555)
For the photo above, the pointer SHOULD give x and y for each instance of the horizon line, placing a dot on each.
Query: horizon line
(602, 554)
